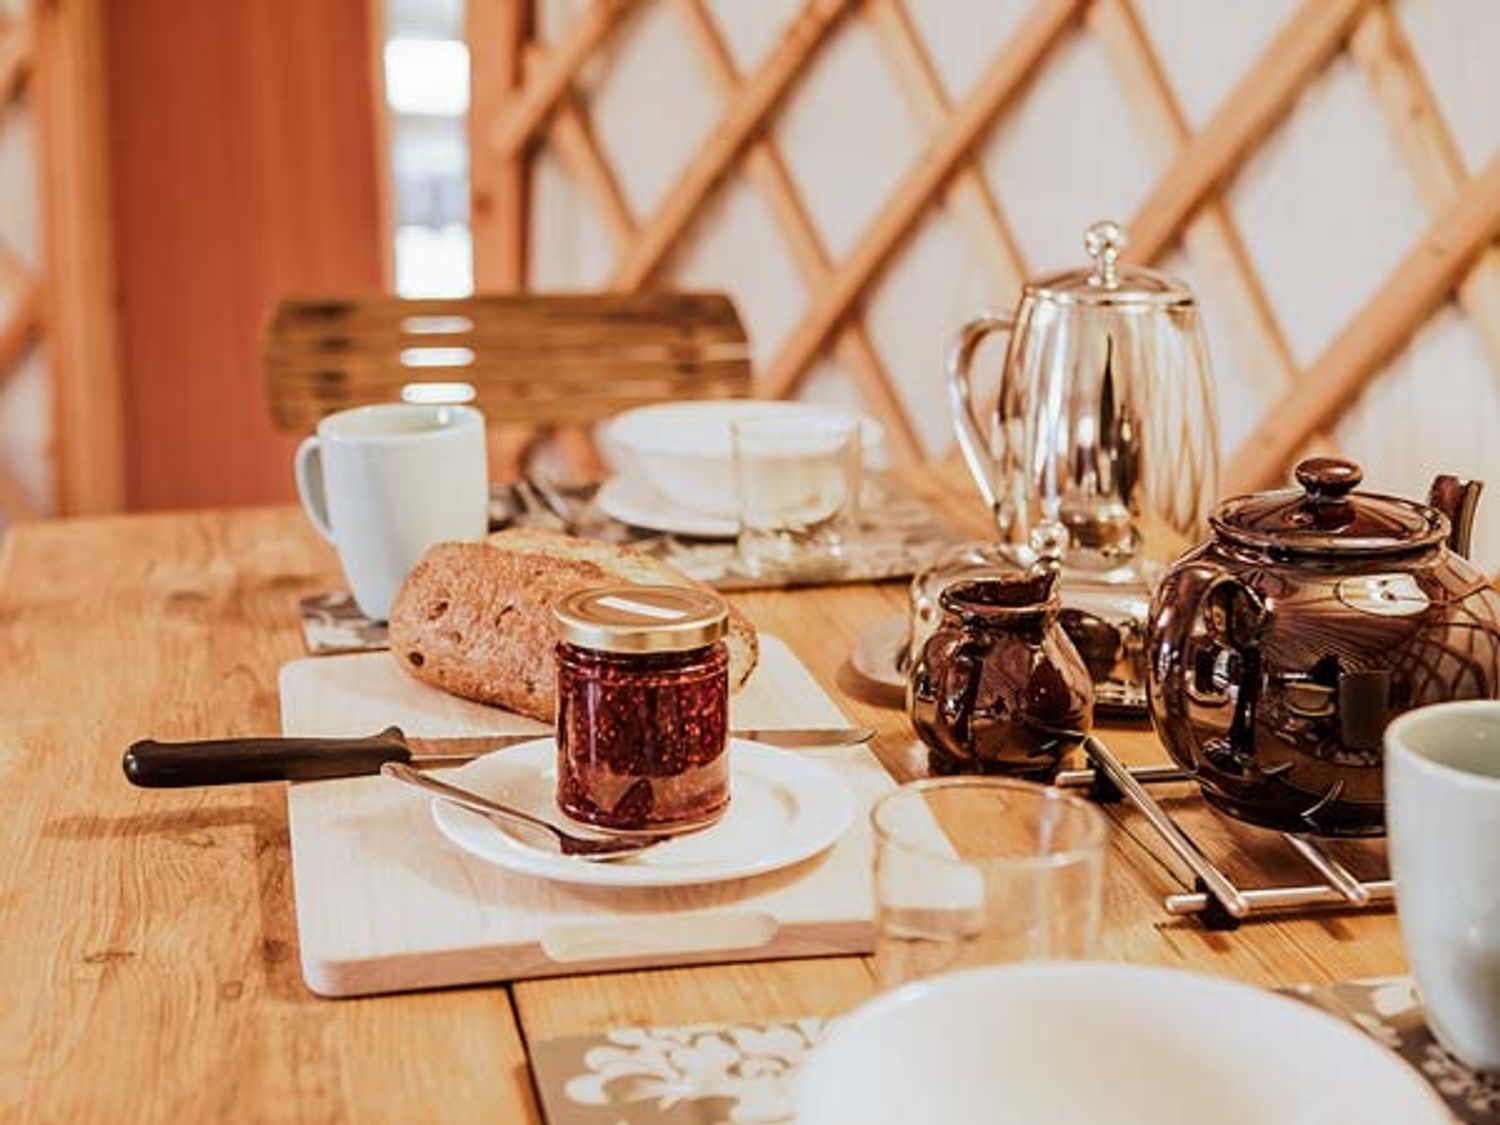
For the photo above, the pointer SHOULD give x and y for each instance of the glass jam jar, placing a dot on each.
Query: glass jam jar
(642, 707)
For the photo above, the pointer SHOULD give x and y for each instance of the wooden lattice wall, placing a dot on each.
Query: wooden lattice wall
(526, 96)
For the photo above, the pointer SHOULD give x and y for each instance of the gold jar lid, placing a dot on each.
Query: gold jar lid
(641, 618)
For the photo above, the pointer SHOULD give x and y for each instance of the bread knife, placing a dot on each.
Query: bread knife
(236, 761)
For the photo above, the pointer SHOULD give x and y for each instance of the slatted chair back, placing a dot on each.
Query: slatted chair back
(533, 360)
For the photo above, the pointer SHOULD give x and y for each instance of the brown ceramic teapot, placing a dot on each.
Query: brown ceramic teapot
(1280, 648)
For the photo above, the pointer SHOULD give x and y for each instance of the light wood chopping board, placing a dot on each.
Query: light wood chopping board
(385, 903)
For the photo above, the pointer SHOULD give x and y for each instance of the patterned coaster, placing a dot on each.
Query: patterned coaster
(332, 623)
(705, 1074)
(742, 1074)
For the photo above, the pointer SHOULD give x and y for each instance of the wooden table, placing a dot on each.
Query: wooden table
(150, 967)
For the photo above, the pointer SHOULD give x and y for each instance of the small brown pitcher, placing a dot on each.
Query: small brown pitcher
(999, 687)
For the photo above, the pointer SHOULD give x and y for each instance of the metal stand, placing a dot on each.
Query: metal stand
(1215, 899)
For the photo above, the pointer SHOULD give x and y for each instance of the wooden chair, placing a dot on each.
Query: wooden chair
(536, 362)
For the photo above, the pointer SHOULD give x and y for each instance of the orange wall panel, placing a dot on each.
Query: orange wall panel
(244, 159)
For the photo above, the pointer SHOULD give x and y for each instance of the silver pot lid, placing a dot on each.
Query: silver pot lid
(1107, 283)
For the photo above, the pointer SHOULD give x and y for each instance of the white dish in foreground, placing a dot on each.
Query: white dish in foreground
(630, 499)
(783, 808)
(1097, 1042)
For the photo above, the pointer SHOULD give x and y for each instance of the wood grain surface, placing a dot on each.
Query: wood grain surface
(151, 963)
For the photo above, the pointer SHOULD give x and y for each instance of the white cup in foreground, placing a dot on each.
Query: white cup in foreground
(383, 483)
(1442, 777)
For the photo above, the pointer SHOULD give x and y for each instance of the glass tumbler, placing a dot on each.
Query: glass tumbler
(797, 481)
(980, 871)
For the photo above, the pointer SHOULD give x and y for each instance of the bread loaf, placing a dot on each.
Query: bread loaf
(475, 619)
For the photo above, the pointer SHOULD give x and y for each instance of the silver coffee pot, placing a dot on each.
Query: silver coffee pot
(1101, 451)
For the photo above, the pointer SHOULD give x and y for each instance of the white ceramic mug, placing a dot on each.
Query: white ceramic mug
(383, 483)
(1442, 778)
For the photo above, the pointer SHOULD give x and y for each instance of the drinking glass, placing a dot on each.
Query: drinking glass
(797, 480)
(979, 871)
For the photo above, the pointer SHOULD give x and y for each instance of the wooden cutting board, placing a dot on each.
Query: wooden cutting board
(385, 903)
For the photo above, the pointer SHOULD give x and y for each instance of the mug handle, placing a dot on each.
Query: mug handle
(966, 425)
(310, 490)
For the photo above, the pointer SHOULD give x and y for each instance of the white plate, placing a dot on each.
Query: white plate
(878, 650)
(629, 499)
(1096, 1042)
(783, 808)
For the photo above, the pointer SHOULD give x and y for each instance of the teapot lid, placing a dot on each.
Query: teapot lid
(1107, 282)
(1326, 516)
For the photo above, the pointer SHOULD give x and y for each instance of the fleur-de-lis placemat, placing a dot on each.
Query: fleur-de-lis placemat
(742, 1074)
(706, 1074)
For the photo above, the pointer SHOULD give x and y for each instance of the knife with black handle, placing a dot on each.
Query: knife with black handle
(236, 761)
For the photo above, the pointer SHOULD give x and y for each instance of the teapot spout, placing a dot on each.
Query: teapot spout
(1457, 499)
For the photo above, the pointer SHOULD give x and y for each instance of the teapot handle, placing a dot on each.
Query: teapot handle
(1240, 617)
(966, 425)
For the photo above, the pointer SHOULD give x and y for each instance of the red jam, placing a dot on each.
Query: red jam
(641, 737)
(642, 707)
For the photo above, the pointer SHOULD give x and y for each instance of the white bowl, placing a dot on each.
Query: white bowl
(684, 450)
(1080, 1042)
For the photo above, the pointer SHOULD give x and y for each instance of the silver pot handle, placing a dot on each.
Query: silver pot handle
(966, 425)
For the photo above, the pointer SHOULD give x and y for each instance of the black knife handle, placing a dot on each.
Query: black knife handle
(234, 761)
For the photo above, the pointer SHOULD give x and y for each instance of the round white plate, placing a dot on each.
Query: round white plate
(632, 500)
(783, 808)
(1097, 1042)
(877, 651)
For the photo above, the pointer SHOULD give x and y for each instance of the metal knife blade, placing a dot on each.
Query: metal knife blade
(241, 760)
(434, 753)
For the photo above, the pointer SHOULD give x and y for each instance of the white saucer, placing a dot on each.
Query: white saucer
(877, 653)
(631, 500)
(783, 808)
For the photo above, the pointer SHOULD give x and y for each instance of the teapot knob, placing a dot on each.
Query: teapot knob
(1328, 478)
(1104, 241)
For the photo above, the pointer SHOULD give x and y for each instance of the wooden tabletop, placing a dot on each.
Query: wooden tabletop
(150, 969)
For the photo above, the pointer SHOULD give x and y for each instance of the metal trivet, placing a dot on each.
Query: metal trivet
(1215, 899)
